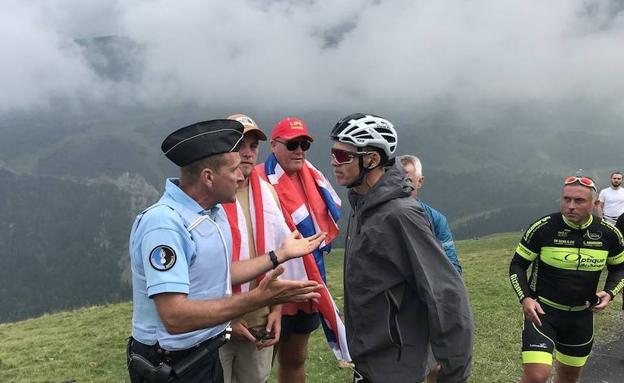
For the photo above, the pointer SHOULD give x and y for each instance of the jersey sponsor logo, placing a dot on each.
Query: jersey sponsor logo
(593, 236)
(162, 258)
(578, 259)
(531, 230)
(583, 259)
(568, 242)
(538, 345)
(593, 243)
(525, 253)
(563, 233)
(616, 290)
(533, 281)
(516, 285)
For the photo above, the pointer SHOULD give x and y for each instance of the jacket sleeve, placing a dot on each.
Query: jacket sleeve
(443, 233)
(442, 290)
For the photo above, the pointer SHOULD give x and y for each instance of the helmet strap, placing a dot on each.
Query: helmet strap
(363, 172)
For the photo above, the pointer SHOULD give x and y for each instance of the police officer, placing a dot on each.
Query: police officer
(181, 271)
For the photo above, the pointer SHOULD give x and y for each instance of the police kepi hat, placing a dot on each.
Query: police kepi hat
(202, 139)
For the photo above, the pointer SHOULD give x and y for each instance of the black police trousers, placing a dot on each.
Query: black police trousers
(206, 370)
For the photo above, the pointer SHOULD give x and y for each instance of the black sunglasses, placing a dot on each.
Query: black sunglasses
(293, 145)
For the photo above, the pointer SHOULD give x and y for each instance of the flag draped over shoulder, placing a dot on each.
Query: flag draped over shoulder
(268, 226)
(320, 213)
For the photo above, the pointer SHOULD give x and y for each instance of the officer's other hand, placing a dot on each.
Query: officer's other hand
(605, 298)
(274, 291)
(296, 246)
(532, 310)
(240, 332)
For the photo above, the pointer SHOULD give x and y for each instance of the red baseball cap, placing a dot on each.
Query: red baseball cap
(291, 127)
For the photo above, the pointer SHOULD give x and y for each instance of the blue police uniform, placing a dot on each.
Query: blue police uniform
(177, 247)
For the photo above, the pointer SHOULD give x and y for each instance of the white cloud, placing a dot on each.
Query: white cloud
(322, 54)
(38, 63)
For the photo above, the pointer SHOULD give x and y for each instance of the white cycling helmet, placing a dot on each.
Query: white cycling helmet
(366, 130)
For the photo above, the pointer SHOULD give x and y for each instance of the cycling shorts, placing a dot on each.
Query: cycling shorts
(569, 333)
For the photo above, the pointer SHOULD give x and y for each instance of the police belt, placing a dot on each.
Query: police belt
(172, 363)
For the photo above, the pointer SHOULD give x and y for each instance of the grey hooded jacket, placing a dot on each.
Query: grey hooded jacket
(402, 294)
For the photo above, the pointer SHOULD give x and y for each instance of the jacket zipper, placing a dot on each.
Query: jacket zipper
(394, 330)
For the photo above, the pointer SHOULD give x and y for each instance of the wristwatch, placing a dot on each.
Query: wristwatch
(273, 258)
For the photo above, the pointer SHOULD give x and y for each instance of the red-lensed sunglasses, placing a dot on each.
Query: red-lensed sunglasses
(342, 157)
(585, 181)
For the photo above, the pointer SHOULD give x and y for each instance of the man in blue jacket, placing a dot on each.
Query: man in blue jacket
(439, 224)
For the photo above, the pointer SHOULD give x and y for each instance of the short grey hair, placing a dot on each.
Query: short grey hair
(592, 190)
(414, 161)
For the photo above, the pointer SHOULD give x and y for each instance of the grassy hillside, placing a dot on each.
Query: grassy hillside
(87, 345)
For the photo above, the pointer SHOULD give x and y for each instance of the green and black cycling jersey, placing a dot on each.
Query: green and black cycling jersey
(567, 261)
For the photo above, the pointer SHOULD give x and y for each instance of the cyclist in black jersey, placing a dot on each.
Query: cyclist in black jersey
(568, 251)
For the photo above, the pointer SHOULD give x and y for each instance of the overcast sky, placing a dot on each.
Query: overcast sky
(399, 54)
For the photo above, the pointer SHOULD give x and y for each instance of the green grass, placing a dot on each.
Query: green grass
(87, 345)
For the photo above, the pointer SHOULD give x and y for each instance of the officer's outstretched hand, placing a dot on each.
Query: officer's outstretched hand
(275, 291)
(532, 310)
(296, 246)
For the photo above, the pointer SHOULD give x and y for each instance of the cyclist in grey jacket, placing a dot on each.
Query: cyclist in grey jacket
(401, 291)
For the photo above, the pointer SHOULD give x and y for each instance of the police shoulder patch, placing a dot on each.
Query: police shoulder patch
(162, 258)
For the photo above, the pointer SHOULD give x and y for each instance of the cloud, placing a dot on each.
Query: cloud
(39, 64)
(346, 55)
